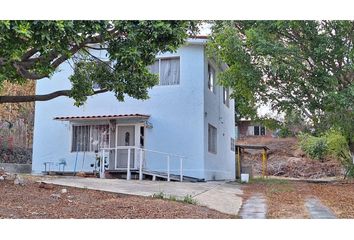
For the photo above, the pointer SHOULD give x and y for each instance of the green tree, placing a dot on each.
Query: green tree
(299, 66)
(33, 50)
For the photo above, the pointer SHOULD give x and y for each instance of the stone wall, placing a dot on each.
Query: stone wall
(16, 168)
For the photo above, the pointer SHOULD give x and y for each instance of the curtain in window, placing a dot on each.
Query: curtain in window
(90, 138)
(169, 71)
(211, 78)
(80, 142)
(99, 137)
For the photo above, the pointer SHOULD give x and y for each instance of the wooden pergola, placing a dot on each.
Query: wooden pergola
(239, 151)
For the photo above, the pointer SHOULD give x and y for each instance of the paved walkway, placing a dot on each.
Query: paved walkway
(254, 208)
(221, 196)
(317, 210)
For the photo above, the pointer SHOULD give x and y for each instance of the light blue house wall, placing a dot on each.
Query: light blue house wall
(222, 164)
(177, 113)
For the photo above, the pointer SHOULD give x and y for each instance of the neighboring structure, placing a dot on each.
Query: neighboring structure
(188, 116)
(247, 128)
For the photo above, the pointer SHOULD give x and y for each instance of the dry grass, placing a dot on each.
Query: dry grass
(286, 199)
(30, 201)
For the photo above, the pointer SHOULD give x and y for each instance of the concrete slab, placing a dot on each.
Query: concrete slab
(221, 196)
(254, 208)
(224, 198)
(317, 210)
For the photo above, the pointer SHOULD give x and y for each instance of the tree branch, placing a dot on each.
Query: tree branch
(44, 97)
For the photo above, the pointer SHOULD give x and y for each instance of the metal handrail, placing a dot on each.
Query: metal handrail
(148, 150)
(168, 158)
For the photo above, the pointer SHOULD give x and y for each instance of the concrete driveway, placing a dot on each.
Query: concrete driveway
(221, 196)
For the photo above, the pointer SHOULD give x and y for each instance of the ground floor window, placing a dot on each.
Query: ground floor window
(89, 138)
(233, 144)
(212, 139)
(259, 130)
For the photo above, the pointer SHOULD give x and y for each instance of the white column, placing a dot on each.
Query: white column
(102, 164)
(128, 166)
(141, 165)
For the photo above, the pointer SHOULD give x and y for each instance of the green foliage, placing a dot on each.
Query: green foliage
(314, 147)
(159, 195)
(189, 199)
(331, 144)
(112, 54)
(301, 66)
(338, 147)
(285, 132)
(336, 142)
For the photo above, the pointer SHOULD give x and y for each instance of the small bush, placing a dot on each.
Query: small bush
(332, 144)
(189, 199)
(159, 195)
(314, 147)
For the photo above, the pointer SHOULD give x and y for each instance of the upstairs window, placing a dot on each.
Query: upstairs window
(226, 96)
(211, 78)
(168, 70)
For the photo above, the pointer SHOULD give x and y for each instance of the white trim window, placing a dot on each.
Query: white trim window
(226, 96)
(168, 70)
(211, 78)
(212, 139)
(259, 131)
(89, 138)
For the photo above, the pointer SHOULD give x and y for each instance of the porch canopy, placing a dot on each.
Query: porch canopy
(120, 117)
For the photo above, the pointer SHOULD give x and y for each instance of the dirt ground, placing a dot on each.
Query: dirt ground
(30, 201)
(286, 199)
(286, 159)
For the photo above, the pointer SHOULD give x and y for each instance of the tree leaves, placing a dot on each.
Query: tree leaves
(302, 65)
(33, 50)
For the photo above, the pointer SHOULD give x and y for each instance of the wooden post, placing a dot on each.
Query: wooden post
(238, 162)
(264, 163)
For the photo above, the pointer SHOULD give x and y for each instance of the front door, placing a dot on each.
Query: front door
(125, 137)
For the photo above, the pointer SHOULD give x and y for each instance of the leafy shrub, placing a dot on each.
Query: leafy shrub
(159, 195)
(285, 132)
(189, 199)
(336, 143)
(314, 147)
(332, 144)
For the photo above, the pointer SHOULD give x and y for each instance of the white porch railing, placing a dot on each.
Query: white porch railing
(140, 163)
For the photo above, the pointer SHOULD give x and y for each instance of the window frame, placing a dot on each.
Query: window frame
(90, 133)
(211, 85)
(226, 96)
(159, 59)
(232, 141)
(212, 138)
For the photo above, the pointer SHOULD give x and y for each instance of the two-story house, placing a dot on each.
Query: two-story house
(187, 123)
